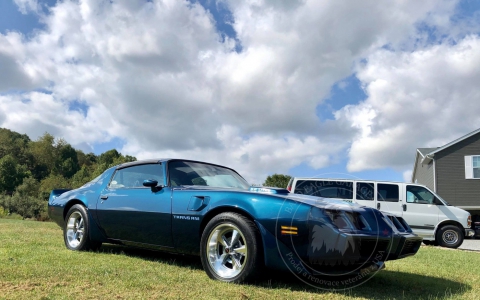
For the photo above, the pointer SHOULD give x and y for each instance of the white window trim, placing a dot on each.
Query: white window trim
(469, 166)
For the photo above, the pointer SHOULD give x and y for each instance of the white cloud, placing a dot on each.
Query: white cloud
(407, 176)
(26, 6)
(157, 75)
(424, 98)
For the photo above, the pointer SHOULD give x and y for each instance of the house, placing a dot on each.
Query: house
(452, 171)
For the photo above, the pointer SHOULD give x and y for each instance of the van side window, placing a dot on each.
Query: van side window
(365, 191)
(419, 194)
(327, 189)
(387, 192)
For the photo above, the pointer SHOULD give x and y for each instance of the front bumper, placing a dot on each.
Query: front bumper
(361, 250)
(404, 245)
(470, 232)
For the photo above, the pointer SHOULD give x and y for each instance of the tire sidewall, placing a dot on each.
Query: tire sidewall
(440, 232)
(251, 240)
(80, 209)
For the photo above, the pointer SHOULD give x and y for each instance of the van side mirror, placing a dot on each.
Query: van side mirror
(153, 184)
(437, 202)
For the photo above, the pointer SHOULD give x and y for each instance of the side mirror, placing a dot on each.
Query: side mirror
(153, 184)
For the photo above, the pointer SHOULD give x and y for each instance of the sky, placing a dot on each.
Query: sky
(336, 89)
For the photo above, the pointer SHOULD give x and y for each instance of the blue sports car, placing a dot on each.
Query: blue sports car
(192, 207)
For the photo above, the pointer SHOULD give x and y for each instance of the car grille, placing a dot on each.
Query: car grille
(410, 247)
(372, 248)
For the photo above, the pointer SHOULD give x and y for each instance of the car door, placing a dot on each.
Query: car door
(388, 197)
(420, 210)
(128, 211)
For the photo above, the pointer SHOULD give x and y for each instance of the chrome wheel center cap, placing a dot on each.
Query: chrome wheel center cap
(227, 250)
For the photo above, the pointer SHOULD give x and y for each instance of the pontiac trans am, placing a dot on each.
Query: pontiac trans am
(192, 207)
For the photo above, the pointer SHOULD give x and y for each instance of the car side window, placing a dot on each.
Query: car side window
(420, 195)
(388, 192)
(133, 177)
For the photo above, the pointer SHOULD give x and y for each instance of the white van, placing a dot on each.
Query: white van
(428, 214)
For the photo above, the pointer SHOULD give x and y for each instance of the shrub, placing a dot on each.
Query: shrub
(25, 206)
(3, 212)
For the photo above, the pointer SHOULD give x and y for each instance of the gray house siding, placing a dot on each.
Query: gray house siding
(424, 173)
(450, 173)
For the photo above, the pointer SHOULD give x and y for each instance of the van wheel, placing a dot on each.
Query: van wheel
(449, 236)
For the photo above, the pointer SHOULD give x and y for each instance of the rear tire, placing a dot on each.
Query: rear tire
(449, 236)
(75, 232)
(230, 248)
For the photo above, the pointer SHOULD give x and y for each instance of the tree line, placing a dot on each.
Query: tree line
(29, 170)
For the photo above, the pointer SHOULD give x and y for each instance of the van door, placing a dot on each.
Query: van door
(365, 193)
(388, 198)
(420, 210)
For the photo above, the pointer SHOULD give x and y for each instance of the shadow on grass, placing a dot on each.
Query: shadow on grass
(192, 262)
(383, 285)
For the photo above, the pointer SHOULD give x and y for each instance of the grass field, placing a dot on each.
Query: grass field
(34, 264)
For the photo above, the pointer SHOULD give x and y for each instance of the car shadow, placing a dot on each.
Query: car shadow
(382, 285)
(385, 284)
(189, 261)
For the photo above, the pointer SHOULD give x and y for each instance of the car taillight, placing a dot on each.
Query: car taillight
(289, 188)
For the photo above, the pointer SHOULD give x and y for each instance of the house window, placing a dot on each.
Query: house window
(476, 166)
(472, 166)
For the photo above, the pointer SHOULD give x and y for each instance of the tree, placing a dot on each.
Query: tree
(108, 157)
(81, 177)
(11, 174)
(44, 153)
(15, 144)
(277, 180)
(52, 182)
(67, 159)
(29, 188)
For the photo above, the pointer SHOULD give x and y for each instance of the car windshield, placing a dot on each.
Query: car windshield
(194, 173)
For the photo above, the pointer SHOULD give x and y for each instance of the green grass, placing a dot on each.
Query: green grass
(34, 264)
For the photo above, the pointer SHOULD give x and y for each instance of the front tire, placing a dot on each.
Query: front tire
(75, 232)
(230, 248)
(449, 236)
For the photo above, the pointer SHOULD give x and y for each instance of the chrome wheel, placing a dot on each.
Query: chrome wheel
(450, 237)
(75, 229)
(227, 250)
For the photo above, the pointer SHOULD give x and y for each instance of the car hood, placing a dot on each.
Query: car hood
(284, 194)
